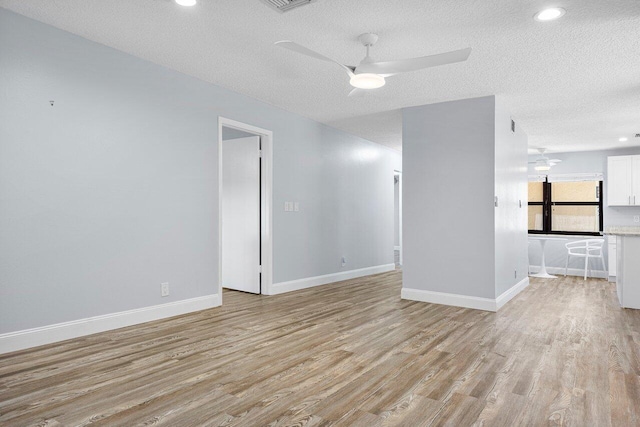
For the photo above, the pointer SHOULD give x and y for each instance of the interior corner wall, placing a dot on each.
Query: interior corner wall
(114, 189)
(511, 241)
(448, 189)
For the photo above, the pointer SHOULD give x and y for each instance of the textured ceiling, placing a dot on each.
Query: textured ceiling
(571, 84)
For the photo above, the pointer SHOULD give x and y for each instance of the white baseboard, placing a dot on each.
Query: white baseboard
(444, 298)
(600, 274)
(309, 282)
(396, 248)
(466, 301)
(28, 338)
(508, 295)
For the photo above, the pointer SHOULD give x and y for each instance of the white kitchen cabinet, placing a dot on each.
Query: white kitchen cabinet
(612, 257)
(621, 180)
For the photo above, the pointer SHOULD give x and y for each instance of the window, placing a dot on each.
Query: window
(565, 207)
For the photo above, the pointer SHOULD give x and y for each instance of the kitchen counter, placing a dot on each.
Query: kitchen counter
(622, 231)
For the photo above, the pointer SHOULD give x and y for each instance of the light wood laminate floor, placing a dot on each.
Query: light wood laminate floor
(350, 354)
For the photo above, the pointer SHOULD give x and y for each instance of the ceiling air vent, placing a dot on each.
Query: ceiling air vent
(286, 5)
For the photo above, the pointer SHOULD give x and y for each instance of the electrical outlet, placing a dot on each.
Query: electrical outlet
(344, 261)
(636, 218)
(164, 289)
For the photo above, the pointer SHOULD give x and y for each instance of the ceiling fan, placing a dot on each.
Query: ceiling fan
(370, 74)
(543, 163)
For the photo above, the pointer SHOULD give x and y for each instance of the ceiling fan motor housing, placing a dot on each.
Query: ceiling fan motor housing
(368, 39)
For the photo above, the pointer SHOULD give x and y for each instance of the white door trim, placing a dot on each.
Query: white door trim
(266, 206)
(399, 173)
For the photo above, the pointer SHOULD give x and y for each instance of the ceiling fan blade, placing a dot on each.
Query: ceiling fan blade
(287, 44)
(362, 93)
(413, 64)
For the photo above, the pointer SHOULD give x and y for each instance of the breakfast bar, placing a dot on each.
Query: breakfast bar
(628, 265)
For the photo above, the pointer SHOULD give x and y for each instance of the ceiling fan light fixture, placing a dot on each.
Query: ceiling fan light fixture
(367, 81)
(187, 3)
(542, 165)
(549, 14)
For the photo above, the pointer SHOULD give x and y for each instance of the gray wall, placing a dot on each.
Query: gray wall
(583, 162)
(448, 189)
(396, 213)
(229, 133)
(114, 189)
(510, 188)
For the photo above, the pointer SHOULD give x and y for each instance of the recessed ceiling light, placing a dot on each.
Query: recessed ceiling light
(549, 14)
(186, 2)
(623, 139)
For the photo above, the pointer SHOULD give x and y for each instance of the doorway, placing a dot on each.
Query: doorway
(244, 210)
(397, 218)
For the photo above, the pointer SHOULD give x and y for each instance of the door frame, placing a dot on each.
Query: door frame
(266, 201)
(399, 174)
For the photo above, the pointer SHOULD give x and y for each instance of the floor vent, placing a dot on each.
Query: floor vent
(286, 5)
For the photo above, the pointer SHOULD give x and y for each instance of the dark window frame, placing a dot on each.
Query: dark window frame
(547, 216)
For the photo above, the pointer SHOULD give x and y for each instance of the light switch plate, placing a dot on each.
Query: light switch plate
(286, 206)
(296, 206)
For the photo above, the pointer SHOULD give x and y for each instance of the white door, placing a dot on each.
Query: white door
(241, 214)
(619, 181)
(635, 172)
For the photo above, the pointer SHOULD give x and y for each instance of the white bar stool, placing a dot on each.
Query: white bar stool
(588, 248)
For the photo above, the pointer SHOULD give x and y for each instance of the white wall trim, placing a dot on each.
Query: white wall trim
(600, 274)
(465, 301)
(399, 247)
(309, 282)
(28, 338)
(444, 298)
(508, 295)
